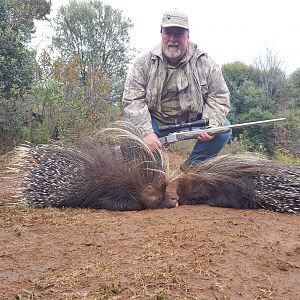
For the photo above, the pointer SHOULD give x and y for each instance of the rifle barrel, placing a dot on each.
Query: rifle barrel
(185, 135)
(255, 123)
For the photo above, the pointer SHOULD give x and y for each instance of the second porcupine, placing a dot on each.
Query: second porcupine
(242, 181)
(57, 176)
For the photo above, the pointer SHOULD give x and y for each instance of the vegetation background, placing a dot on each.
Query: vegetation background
(200, 252)
(76, 84)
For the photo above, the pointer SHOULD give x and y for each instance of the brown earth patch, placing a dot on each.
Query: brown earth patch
(188, 252)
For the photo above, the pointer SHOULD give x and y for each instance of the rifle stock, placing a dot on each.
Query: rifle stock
(186, 135)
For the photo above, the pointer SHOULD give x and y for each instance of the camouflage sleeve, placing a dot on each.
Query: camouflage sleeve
(217, 104)
(135, 106)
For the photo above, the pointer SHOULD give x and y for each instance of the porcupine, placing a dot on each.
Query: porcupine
(94, 177)
(242, 181)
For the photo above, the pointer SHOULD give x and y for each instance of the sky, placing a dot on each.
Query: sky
(229, 31)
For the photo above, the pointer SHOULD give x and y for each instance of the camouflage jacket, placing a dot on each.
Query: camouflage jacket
(200, 83)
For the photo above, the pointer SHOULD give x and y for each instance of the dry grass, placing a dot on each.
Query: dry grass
(186, 253)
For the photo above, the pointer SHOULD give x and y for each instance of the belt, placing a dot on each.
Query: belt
(173, 119)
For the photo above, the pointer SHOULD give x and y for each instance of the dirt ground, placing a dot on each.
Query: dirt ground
(187, 252)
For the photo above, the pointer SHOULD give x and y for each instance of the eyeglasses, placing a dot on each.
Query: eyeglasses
(178, 34)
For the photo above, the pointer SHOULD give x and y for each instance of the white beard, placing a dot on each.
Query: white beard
(172, 52)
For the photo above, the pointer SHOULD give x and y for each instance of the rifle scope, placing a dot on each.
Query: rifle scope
(176, 127)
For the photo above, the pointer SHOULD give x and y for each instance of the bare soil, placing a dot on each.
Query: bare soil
(187, 252)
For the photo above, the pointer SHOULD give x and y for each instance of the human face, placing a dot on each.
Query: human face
(174, 43)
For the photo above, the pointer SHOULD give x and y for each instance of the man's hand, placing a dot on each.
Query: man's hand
(152, 141)
(205, 137)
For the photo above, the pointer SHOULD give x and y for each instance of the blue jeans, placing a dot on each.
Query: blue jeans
(202, 150)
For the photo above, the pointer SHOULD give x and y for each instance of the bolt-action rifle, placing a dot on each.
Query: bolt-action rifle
(191, 134)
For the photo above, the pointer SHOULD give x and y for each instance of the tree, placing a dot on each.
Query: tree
(98, 35)
(289, 138)
(249, 103)
(64, 105)
(271, 78)
(245, 93)
(17, 16)
(16, 61)
(237, 73)
(16, 25)
(294, 88)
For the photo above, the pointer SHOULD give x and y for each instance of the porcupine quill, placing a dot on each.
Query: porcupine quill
(242, 181)
(114, 171)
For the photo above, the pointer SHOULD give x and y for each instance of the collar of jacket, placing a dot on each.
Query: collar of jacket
(192, 51)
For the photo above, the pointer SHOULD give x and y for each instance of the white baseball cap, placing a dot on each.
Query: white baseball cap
(175, 18)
